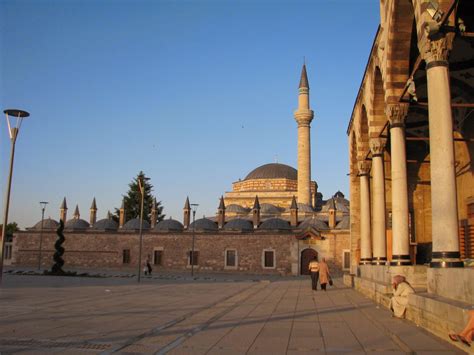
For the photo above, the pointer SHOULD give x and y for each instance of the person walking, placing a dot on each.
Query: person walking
(324, 275)
(313, 268)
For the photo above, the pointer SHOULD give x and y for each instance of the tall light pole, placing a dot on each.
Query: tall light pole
(43, 207)
(194, 207)
(141, 185)
(13, 132)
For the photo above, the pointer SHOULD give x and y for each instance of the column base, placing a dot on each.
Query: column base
(446, 259)
(365, 261)
(399, 260)
(381, 260)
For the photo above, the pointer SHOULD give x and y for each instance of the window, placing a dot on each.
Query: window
(8, 251)
(470, 210)
(193, 257)
(269, 259)
(126, 256)
(346, 259)
(231, 259)
(158, 257)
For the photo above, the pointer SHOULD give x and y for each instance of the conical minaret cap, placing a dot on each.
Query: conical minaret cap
(63, 204)
(256, 204)
(304, 78)
(222, 204)
(294, 205)
(94, 205)
(187, 206)
(76, 212)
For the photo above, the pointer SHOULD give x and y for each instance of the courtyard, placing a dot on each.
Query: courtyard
(208, 314)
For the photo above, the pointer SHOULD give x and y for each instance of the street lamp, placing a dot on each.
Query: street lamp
(43, 207)
(194, 207)
(13, 132)
(141, 185)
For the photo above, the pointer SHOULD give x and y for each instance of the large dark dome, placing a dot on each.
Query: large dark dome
(273, 171)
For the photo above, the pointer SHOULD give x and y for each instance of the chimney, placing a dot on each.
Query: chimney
(294, 212)
(93, 213)
(256, 213)
(221, 214)
(63, 211)
(186, 213)
(122, 214)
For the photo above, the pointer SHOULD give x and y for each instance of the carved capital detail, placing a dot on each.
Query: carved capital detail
(396, 114)
(364, 167)
(437, 50)
(377, 146)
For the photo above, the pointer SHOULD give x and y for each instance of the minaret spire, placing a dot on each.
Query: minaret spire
(303, 116)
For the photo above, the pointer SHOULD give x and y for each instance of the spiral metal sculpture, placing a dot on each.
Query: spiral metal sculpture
(59, 262)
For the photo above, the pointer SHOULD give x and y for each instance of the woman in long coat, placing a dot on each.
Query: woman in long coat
(324, 275)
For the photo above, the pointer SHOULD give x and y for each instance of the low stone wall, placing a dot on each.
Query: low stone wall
(454, 283)
(438, 315)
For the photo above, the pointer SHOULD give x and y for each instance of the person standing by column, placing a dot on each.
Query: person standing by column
(314, 270)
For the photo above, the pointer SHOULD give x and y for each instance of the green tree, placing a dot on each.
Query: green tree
(132, 201)
(11, 228)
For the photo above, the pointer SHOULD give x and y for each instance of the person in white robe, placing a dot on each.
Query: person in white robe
(399, 301)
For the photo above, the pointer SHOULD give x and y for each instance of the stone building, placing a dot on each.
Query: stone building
(411, 174)
(274, 221)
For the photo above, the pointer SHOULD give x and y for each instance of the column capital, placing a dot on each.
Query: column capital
(435, 52)
(377, 146)
(396, 114)
(364, 167)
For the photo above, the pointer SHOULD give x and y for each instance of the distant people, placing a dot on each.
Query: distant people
(399, 301)
(324, 275)
(313, 268)
(467, 333)
(147, 269)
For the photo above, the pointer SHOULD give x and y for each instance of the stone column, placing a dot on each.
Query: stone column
(400, 239)
(365, 242)
(443, 179)
(377, 147)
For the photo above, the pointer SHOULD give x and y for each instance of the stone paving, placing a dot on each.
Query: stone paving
(209, 315)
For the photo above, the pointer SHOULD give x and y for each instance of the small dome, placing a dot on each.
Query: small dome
(345, 223)
(313, 223)
(105, 224)
(273, 171)
(234, 208)
(268, 208)
(134, 225)
(76, 224)
(275, 224)
(238, 224)
(47, 224)
(169, 225)
(203, 224)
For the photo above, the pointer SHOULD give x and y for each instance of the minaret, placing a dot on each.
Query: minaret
(186, 214)
(304, 116)
(294, 212)
(122, 214)
(93, 213)
(63, 211)
(221, 213)
(76, 215)
(256, 213)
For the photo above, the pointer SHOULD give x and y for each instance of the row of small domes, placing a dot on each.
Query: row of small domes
(203, 224)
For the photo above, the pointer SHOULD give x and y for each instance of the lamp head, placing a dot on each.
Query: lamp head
(16, 113)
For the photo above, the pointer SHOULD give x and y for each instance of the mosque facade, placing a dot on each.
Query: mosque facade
(411, 174)
(273, 221)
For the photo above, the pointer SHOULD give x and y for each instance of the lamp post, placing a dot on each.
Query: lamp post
(43, 207)
(13, 132)
(194, 207)
(141, 185)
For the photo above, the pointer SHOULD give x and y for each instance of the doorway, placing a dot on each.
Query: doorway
(306, 256)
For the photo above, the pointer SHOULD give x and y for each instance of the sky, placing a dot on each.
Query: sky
(194, 93)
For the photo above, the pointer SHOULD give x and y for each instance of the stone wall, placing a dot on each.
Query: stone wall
(105, 250)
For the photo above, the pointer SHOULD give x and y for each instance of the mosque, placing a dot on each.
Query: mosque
(273, 221)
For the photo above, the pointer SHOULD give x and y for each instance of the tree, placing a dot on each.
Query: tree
(11, 228)
(132, 201)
